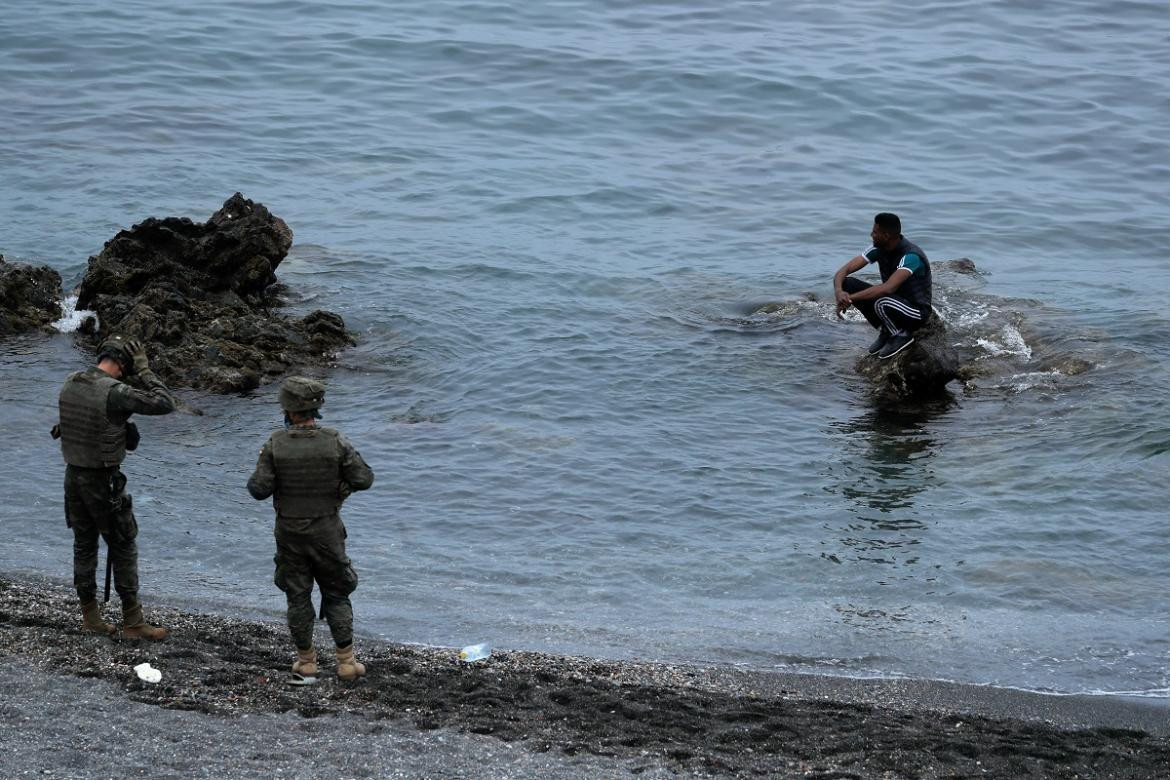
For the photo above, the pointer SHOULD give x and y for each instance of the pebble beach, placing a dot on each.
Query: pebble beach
(74, 708)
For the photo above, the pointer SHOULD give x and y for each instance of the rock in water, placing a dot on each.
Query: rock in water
(30, 298)
(920, 371)
(197, 295)
(960, 265)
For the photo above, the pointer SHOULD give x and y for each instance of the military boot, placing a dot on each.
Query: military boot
(134, 625)
(91, 614)
(306, 663)
(348, 667)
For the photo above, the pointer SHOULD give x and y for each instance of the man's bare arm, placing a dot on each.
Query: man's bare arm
(844, 301)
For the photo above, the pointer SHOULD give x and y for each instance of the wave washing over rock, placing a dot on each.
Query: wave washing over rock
(73, 319)
(202, 297)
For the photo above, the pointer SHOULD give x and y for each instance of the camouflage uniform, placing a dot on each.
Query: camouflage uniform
(309, 471)
(95, 435)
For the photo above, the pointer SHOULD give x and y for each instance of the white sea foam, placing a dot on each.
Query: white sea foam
(959, 311)
(71, 316)
(1009, 341)
(828, 311)
(823, 309)
(968, 318)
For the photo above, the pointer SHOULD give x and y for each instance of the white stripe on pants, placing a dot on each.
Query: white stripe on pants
(888, 308)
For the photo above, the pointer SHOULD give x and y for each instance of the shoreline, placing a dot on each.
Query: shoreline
(581, 715)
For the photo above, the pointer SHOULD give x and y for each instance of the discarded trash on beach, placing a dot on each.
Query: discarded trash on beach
(475, 652)
(299, 679)
(148, 673)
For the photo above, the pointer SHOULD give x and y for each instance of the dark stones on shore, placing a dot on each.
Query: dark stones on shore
(687, 719)
(30, 298)
(201, 297)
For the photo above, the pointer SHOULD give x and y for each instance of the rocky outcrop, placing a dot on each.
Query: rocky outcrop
(30, 298)
(920, 371)
(200, 297)
(960, 265)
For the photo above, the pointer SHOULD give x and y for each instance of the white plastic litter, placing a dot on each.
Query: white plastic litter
(148, 673)
(475, 652)
(299, 680)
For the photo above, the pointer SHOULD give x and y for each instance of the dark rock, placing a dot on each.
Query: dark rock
(961, 265)
(920, 371)
(30, 298)
(218, 379)
(323, 328)
(1069, 365)
(201, 296)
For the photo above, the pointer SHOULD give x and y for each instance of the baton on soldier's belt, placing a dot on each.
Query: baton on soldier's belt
(115, 505)
(117, 485)
(109, 568)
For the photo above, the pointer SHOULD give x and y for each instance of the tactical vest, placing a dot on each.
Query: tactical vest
(916, 289)
(308, 472)
(88, 437)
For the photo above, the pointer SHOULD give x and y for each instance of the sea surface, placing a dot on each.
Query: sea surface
(588, 249)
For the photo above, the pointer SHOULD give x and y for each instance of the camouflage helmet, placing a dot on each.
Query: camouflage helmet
(299, 394)
(117, 347)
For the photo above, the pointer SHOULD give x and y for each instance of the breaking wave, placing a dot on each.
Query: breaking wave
(71, 316)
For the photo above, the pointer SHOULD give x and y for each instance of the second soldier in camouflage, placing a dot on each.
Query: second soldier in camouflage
(309, 471)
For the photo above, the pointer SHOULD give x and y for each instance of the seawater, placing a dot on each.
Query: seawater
(587, 248)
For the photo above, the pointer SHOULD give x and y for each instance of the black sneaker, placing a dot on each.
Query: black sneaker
(882, 338)
(895, 345)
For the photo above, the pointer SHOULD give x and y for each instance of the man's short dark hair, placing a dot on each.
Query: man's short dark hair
(889, 223)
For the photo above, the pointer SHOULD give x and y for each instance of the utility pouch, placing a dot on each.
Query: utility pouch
(125, 525)
(117, 491)
(55, 431)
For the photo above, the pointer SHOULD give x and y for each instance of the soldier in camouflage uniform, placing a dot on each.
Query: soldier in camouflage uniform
(309, 471)
(95, 434)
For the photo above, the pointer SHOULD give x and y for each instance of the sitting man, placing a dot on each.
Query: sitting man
(901, 303)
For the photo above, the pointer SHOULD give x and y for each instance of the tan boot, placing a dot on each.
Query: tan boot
(348, 667)
(91, 614)
(306, 663)
(134, 625)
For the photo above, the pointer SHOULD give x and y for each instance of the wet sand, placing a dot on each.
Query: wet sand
(75, 708)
